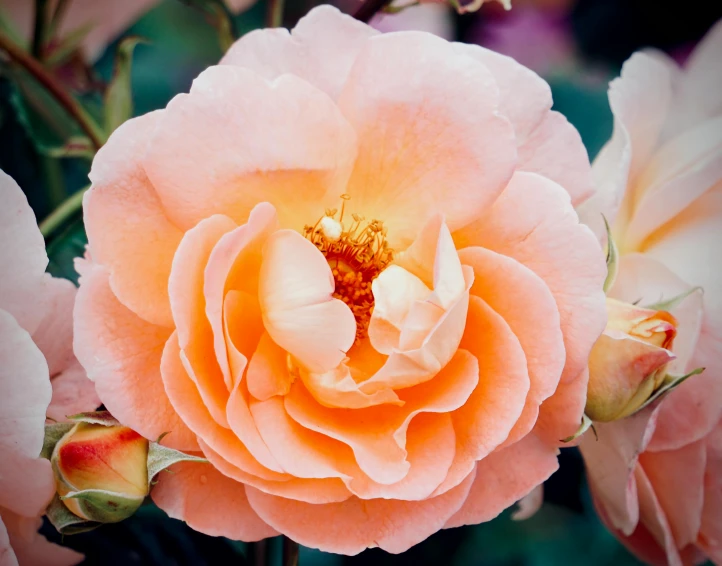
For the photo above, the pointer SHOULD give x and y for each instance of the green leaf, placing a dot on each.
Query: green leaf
(65, 522)
(584, 427)
(119, 96)
(670, 382)
(75, 146)
(674, 302)
(160, 457)
(106, 506)
(53, 434)
(96, 417)
(47, 123)
(219, 17)
(612, 258)
(66, 245)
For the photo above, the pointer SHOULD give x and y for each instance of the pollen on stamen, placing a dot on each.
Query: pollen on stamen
(356, 255)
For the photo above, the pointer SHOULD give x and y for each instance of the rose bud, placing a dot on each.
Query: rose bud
(628, 363)
(103, 470)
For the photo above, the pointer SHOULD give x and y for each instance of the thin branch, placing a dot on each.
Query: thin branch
(274, 13)
(369, 9)
(72, 107)
(39, 31)
(58, 217)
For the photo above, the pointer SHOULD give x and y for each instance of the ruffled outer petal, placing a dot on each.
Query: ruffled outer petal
(354, 525)
(26, 481)
(677, 477)
(121, 353)
(710, 535)
(492, 410)
(610, 463)
(533, 222)
(640, 100)
(321, 49)
(128, 230)
(195, 335)
(237, 140)
(22, 256)
(505, 477)
(547, 143)
(209, 502)
(426, 119)
(525, 302)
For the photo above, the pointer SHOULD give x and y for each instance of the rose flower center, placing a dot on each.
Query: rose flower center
(356, 255)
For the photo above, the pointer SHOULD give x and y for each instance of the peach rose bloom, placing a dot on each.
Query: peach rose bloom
(108, 18)
(35, 348)
(656, 477)
(347, 269)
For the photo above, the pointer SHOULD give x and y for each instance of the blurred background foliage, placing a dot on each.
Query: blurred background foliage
(576, 45)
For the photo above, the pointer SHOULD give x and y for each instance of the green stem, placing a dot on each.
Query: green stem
(58, 217)
(290, 552)
(53, 174)
(274, 14)
(72, 107)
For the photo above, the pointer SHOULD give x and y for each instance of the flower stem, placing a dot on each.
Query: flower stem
(62, 214)
(274, 13)
(290, 552)
(369, 8)
(72, 107)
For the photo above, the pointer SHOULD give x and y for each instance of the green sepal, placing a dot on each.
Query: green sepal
(105, 506)
(118, 99)
(583, 427)
(161, 457)
(669, 383)
(612, 258)
(65, 522)
(96, 417)
(674, 302)
(53, 434)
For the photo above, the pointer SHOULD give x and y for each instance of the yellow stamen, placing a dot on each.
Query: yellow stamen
(356, 255)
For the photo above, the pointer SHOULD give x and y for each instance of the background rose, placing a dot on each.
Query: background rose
(205, 312)
(655, 476)
(35, 345)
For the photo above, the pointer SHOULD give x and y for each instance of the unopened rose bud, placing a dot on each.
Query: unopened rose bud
(101, 471)
(628, 363)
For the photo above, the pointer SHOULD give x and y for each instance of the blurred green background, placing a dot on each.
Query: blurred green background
(578, 46)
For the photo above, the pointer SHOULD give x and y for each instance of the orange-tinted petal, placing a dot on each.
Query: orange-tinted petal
(484, 422)
(128, 229)
(234, 264)
(238, 139)
(122, 353)
(526, 304)
(427, 121)
(209, 502)
(195, 335)
(378, 435)
(356, 524)
(504, 477)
